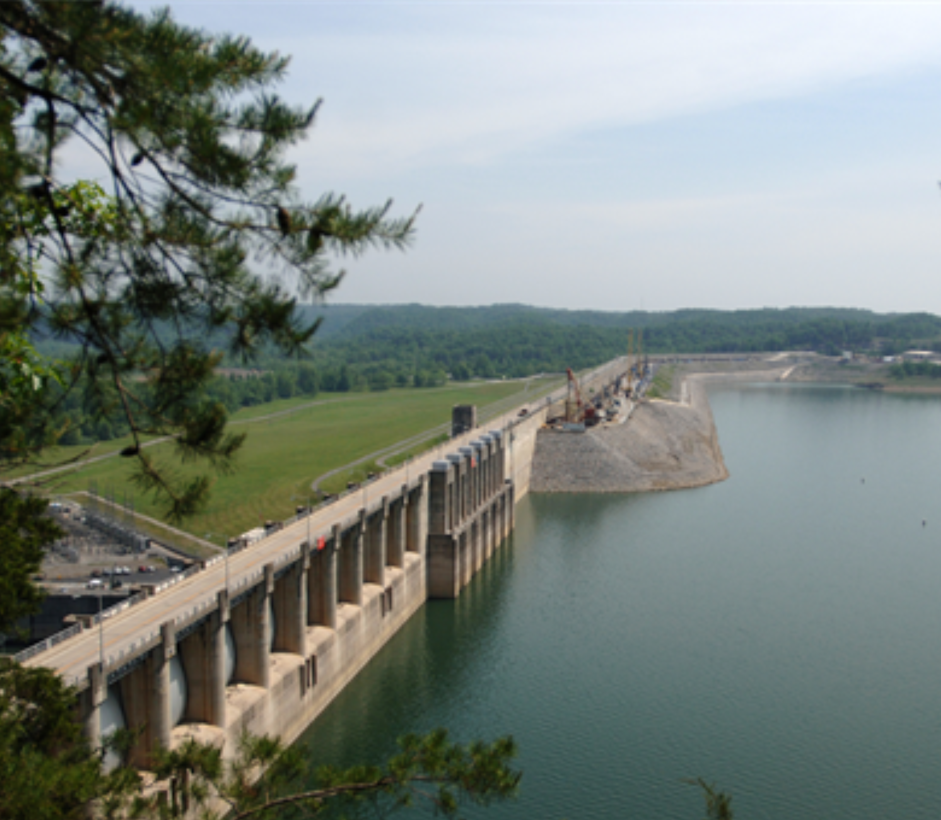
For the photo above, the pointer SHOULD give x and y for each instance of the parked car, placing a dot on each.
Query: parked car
(94, 583)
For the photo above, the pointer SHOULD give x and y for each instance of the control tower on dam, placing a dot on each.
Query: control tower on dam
(264, 638)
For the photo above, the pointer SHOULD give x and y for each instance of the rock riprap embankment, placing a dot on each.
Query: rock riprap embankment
(663, 446)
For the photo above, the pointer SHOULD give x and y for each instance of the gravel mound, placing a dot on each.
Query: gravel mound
(663, 446)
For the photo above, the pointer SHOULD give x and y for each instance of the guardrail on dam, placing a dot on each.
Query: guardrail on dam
(263, 640)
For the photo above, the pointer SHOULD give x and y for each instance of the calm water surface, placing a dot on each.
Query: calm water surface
(777, 634)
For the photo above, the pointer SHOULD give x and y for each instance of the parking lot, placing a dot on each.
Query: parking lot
(88, 558)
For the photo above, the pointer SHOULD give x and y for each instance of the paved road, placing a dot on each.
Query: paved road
(72, 657)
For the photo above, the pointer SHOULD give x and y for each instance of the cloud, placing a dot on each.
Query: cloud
(472, 84)
(649, 155)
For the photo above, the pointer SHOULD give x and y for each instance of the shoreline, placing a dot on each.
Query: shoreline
(668, 444)
(912, 389)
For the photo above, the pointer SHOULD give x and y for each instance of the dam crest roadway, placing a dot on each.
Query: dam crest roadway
(263, 640)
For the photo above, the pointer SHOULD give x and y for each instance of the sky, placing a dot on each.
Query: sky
(623, 155)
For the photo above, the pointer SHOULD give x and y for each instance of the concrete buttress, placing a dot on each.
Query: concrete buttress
(351, 563)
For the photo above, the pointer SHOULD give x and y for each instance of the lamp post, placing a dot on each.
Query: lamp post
(225, 551)
(101, 628)
(309, 511)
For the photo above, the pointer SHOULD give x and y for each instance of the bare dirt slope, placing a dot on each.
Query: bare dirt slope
(665, 445)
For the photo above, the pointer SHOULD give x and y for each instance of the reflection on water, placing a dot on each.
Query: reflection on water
(776, 633)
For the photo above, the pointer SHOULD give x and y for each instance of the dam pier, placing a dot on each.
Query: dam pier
(299, 618)
(262, 639)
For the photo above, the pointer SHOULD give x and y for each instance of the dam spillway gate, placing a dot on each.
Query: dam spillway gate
(269, 651)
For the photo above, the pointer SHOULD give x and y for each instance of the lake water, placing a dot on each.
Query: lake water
(778, 634)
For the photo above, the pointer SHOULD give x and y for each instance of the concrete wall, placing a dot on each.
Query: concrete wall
(521, 449)
(372, 575)
(301, 686)
(310, 624)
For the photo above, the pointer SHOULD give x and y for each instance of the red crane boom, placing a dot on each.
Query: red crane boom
(574, 388)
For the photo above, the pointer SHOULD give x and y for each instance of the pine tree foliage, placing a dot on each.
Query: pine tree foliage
(25, 532)
(49, 772)
(718, 804)
(197, 222)
(429, 769)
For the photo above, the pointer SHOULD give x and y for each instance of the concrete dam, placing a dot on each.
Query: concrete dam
(262, 640)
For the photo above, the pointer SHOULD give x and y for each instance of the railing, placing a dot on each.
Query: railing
(252, 578)
(98, 617)
(48, 643)
(194, 612)
(245, 581)
(111, 611)
(72, 680)
(177, 578)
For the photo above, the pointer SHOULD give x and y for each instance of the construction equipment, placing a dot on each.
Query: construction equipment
(638, 370)
(638, 363)
(577, 409)
(630, 363)
(573, 403)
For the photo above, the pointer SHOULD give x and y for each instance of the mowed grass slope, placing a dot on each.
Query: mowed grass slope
(283, 455)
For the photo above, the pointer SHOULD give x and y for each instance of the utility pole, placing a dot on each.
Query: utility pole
(101, 628)
(225, 552)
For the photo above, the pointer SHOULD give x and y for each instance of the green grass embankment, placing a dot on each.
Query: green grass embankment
(285, 453)
(662, 383)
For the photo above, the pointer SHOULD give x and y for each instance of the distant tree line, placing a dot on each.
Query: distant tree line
(412, 346)
(84, 422)
(903, 370)
(508, 341)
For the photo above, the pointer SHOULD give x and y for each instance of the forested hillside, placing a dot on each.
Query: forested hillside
(363, 347)
(516, 340)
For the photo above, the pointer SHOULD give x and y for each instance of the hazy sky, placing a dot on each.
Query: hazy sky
(625, 155)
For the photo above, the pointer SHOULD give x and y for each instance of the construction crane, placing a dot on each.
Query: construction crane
(577, 409)
(573, 404)
(630, 363)
(638, 371)
(641, 353)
